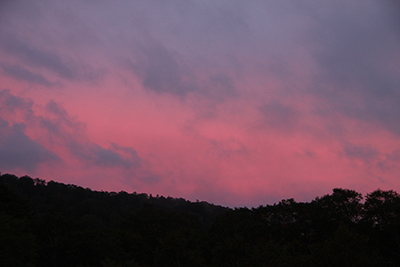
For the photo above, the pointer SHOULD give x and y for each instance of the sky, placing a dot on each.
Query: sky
(237, 103)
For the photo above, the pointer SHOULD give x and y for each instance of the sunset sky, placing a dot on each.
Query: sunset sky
(238, 103)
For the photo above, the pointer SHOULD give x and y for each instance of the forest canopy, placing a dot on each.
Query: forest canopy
(55, 224)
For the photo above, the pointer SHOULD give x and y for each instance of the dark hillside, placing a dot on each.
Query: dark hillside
(54, 224)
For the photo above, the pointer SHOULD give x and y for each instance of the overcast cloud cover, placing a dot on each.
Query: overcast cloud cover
(232, 102)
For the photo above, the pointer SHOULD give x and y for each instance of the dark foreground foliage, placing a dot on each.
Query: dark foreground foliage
(54, 224)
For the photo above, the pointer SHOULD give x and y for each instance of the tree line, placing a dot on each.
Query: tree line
(55, 224)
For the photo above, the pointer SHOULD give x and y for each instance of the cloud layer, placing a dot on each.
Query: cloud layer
(237, 103)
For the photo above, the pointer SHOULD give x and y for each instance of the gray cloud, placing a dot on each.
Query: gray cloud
(165, 73)
(356, 54)
(151, 179)
(126, 150)
(11, 104)
(220, 86)
(70, 132)
(390, 160)
(366, 153)
(279, 116)
(94, 154)
(226, 148)
(21, 73)
(39, 58)
(18, 151)
(60, 122)
(111, 157)
(392, 8)
(394, 156)
(161, 72)
(341, 57)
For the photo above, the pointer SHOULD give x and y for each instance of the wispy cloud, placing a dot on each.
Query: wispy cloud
(20, 152)
(250, 99)
(24, 74)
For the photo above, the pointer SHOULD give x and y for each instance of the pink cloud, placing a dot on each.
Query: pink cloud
(236, 104)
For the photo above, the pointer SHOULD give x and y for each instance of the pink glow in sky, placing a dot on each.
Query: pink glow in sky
(238, 103)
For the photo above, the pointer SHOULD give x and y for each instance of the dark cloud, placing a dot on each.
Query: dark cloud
(26, 11)
(111, 158)
(161, 72)
(151, 179)
(21, 73)
(279, 116)
(11, 104)
(59, 122)
(18, 151)
(94, 154)
(60, 125)
(124, 27)
(355, 56)
(394, 156)
(6, 4)
(392, 8)
(220, 87)
(310, 153)
(126, 150)
(42, 59)
(280, 68)
(390, 160)
(39, 58)
(366, 153)
(226, 148)
(56, 109)
(227, 22)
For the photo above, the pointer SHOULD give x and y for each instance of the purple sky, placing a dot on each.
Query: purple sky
(239, 103)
